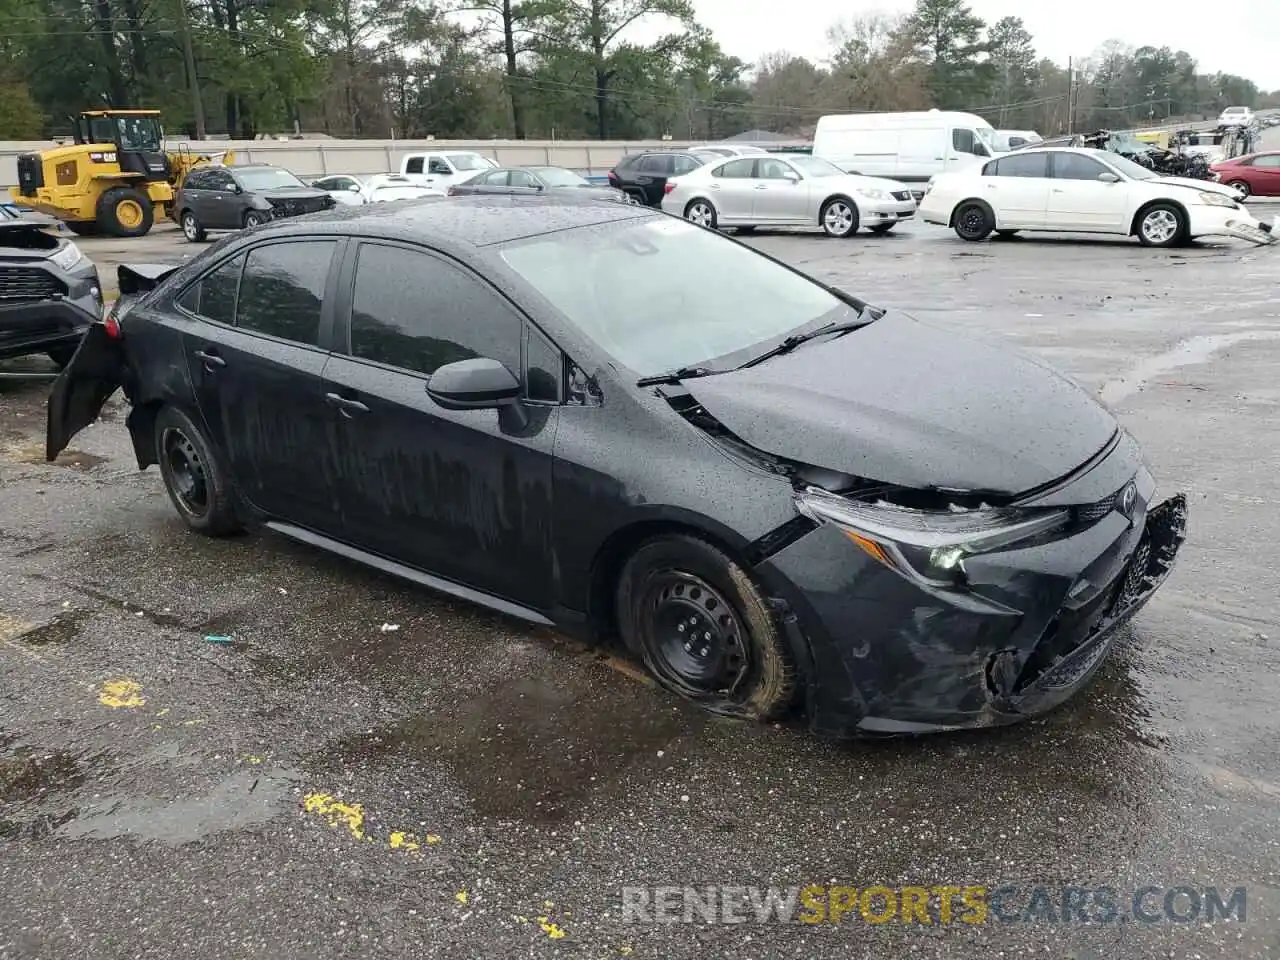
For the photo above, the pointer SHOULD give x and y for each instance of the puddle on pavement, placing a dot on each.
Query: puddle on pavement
(244, 799)
(535, 750)
(1191, 351)
(27, 774)
(61, 629)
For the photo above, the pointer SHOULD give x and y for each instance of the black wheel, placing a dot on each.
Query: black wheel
(880, 229)
(974, 221)
(1006, 234)
(1161, 225)
(703, 629)
(192, 476)
(839, 218)
(637, 197)
(1241, 186)
(61, 356)
(192, 228)
(254, 219)
(125, 212)
(701, 212)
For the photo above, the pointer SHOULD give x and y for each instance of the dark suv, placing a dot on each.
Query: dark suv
(49, 292)
(643, 175)
(215, 197)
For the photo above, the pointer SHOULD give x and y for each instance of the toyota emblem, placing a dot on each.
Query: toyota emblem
(1127, 497)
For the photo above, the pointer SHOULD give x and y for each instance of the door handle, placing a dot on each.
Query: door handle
(1058, 190)
(210, 359)
(715, 186)
(762, 186)
(344, 405)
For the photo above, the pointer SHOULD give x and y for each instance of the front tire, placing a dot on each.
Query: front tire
(192, 228)
(703, 629)
(254, 219)
(839, 218)
(702, 213)
(1161, 225)
(974, 221)
(125, 212)
(1242, 187)
(193, 478)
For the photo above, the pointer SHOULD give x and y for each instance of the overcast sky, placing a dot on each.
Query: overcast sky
(1246, 41)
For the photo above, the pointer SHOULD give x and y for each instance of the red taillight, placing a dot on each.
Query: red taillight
(112, 325)
(451, 192)
(613, 179)
(668, 186)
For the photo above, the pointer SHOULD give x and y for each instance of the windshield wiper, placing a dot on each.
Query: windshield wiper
(793, 341)
(675, 376)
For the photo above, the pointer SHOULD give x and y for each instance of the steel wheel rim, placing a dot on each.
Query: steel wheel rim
(1242, 187)
(694, 637)
(700, 213)
(838, 218)
(129, 213)
(971, 221)
(252, 220)
(1159, 226)
(185, 470)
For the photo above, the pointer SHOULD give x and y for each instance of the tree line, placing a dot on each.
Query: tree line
(563, 69)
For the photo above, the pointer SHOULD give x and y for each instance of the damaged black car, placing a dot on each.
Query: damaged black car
(781, 498)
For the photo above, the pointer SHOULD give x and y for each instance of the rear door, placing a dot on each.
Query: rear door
(1017, 187)
(256, 345)
(465, 495)
(1078, 200)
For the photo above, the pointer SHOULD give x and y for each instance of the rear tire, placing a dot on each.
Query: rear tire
(125, 212)
(974, 221)
(702, 212)
(192, 228)
(195, 481)
(704, 630)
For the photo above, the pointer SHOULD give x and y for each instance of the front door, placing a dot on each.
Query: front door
(1078, 200)
(780, 196)
(219, 205)
(465, 495)
(733, 189)
(256, 348)
(1264, 175)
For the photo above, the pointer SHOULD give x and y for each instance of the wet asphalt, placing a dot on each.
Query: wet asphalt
(246, 748)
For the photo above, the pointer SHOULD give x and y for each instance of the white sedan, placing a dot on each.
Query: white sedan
(787, 191)
(386, 187)
(348, 191)
(1077, 190)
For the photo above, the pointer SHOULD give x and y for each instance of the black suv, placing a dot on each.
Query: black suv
(644, 175)
(215, 197)
(49, 292)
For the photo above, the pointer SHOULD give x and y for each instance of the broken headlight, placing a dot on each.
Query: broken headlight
(927, 546)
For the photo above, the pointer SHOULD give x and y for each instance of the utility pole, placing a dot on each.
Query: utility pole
(1071, 89)
(189, 55)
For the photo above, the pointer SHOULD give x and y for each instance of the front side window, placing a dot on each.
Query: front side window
(1075, 166)
(439, 166)
(716, 297)
(213, 296)
(560, 177)
(770, 168)
(736, 169)
(963, 141)
(816, 166)
(283, 288)
(521, 178)
(417, 312)
(218, 180)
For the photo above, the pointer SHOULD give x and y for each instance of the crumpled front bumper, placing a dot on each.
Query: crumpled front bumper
(886, 658)
(1256, 231)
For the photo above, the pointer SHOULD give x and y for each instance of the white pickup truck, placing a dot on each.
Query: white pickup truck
(441, 169)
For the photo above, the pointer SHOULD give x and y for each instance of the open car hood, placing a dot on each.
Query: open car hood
(910, 404)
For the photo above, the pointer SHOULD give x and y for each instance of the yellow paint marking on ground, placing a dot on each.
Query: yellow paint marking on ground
(550, 929)
(461, 896)
(432, 838)
(121, 693)
(161, 713)
(339, 814)
(399, 840)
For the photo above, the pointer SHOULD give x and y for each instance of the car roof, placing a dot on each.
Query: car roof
(475, 221)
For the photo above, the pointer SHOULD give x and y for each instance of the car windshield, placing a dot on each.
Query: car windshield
(139, 133)
(816, 166)
(709, 297)
(559, 177)
(1134, 171)
(470, 161)
(267, 179)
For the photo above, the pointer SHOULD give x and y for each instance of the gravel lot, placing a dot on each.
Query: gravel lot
(162, 795)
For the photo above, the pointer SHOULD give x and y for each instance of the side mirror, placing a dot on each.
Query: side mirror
(236, 188)
(792, 176)
(1108, 178)
(354, 188)
(475, 384)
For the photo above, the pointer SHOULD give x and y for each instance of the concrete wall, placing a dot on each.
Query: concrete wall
(314, 158)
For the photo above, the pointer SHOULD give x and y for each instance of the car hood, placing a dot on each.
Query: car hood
(1204, 186)
(854, 182)
(903, 402)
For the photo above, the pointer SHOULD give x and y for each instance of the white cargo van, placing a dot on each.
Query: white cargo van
(909, 147)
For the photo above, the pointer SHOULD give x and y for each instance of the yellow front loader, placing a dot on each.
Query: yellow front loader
(117, 178)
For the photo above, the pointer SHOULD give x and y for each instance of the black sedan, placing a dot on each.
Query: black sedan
(779, 496)
(531, 181)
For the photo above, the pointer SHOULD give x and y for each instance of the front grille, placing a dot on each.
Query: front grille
(296, 208)
(902, 195)
(26, 284)
(1090, 513)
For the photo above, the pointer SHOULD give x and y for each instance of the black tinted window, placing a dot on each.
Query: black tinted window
(736, 169)
(283, 287)
(657, 163)
(195, 180)
(417, 312)
(545, 369)
(439, 166)
(414, 165)
(1075, 166)
(214, 295)
(963, 141)
(1023, 165)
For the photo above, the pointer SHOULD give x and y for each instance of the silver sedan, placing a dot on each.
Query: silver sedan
(792, 191)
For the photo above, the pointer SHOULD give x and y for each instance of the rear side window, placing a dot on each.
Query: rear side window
(736, 169)
(418, 312)
(413, 165)
(656, 163)
(1022, 165)
(213, 296)
(282, 289)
